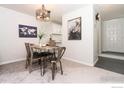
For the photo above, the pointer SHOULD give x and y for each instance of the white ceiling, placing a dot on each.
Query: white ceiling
(107, 11)
(57, 10)
(111, 11)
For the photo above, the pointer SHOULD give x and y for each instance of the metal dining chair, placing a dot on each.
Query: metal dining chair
(31, 56)
(36, 55)
(59, 53)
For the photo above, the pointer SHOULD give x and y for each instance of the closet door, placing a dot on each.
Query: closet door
(113, 35)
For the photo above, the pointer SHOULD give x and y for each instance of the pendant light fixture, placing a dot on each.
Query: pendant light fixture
(42, 14)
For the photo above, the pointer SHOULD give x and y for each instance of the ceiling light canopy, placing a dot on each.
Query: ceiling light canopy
(43, 14)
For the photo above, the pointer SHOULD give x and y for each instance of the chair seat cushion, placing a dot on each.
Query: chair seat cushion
(41, 54)
(45, 54)
(36, 55)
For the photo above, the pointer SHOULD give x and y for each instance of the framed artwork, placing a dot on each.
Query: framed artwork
(27, 31)
(74, 29)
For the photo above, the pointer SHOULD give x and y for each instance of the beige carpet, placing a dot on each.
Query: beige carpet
(73, 73)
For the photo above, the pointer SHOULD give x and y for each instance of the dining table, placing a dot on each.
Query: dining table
(47, 49)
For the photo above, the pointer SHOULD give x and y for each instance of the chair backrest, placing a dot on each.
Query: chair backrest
(61, 51)
(28, 49)
(32, 50)
(27, 45)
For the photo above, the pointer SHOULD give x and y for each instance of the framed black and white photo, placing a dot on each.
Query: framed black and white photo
(27, 31)
(74, 29)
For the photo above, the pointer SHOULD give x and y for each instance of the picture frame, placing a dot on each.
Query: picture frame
(74, 29)
(26, 31)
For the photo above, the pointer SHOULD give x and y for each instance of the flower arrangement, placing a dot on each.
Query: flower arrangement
(40, 35)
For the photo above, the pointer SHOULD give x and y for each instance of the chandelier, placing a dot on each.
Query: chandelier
(43, 14)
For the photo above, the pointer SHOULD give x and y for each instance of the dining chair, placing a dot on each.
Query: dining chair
(31, 56)
(37, 56)
(47, 55)
(59, 53)
(34, 57)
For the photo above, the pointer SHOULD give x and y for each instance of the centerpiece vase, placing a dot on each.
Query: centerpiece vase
(40, 44)
(40, 38)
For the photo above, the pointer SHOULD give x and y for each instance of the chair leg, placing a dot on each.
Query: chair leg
(42, 67)
(30, 66)
(61, 67)
(39, 61)
(26, 64)
(53, 70)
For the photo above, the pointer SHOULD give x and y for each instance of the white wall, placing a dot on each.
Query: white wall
(96, 35)
(113, 35)
(11, 46)
(79, 50)
(56, 28)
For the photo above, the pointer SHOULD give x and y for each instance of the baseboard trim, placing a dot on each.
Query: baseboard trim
(66, 58)
(77, 61)
(112, 56)
(95, 61)
(12, 61)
